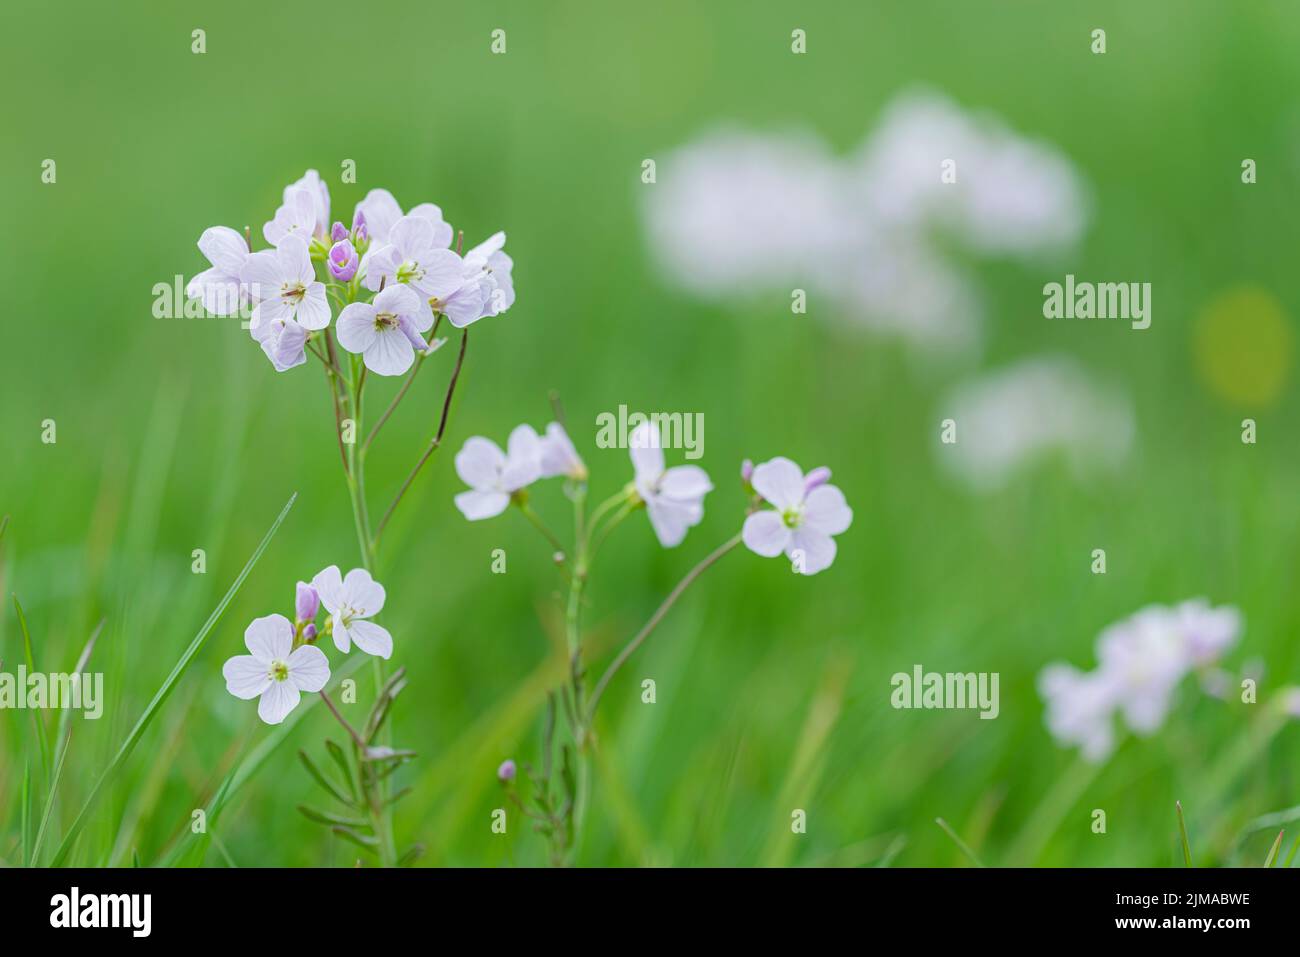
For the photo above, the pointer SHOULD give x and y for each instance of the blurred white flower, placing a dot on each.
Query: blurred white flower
(1141, 660)
(559, 457)
(1035, 409)
(739, 212)
(274, 670)
(674, 498)
(1079, 708)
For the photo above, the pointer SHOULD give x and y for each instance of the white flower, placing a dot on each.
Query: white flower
(296, 217)
(381, 213)
(558, 456)
(444, 281)
(1140, 662)
(275, 670)
(674, 498)
(386, 333)
(492, 475)
(1041, 408)
(488, 265)
(1080, 706)
(1206, 632)
(805, 513)
(284, 283)
(350, 601)
(220, 287)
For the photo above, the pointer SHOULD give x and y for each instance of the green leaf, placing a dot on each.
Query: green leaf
(160, 697)
(324, 781)
(413, 853)
(31, 669)
(324, 817)
(341, 759)
(360, 840)
(49, 802)
(1272, 854)
(387, 695)
(1182, 833)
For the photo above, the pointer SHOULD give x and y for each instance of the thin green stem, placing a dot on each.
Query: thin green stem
(630, 648)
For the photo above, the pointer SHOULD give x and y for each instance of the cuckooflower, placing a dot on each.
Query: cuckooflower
(488, 264)
(295, 217)
(220, 288)
(559, 457)
(379, 213)
(283, 341)
(386, 333)
(492, 475)
(274, 670)
(441, 277)
(674, 498)
(806, 513)
(1079, 708)
(284, 283)
(350, 601)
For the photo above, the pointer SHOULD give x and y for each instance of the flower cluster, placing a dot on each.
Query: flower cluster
(283, 660)
(1140, 662)
(392, 274)
(791, 513)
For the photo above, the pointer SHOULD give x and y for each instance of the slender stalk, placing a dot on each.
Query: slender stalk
(630, 648)
(537, 522)
(352, 732)
(433, 445)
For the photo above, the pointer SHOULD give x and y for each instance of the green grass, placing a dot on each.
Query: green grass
(773, 691)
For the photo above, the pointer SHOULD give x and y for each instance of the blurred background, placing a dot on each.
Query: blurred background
(773, 690)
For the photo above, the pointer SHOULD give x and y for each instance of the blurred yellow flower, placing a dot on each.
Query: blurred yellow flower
(1243, 343)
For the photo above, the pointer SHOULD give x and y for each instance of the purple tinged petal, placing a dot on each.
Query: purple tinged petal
(818, 476)
(338, 232)
(343, 259)
(307, 602)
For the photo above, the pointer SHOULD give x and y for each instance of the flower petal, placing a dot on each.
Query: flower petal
(356, 326)
(780, 482)
(810, 550)
(363, 593)
(277, 701)
(685, 483)
(309, 669)
(671, 520)
(246, 677)
(479, 463)
(328, 583)
(391, 353)
(765, 534)
(826, 511)
(314, 310)
(269, 638)
(372, 639)
(646, 450)
(480, 504)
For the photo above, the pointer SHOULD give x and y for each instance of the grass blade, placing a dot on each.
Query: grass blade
(161, 696)
(1290, 856)
(1182, 832)
(49, 802)
(1272, 854)
(31, 670)
(961, 845)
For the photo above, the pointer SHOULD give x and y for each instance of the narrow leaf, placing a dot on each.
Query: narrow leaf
(163, 692)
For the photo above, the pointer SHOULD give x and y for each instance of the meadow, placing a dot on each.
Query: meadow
(773, 691)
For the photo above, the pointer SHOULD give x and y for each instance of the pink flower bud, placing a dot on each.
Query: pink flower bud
(343, 260)
(818, 476)
(307, 603)
(506, 772)
(338, 232)
(747, 471)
